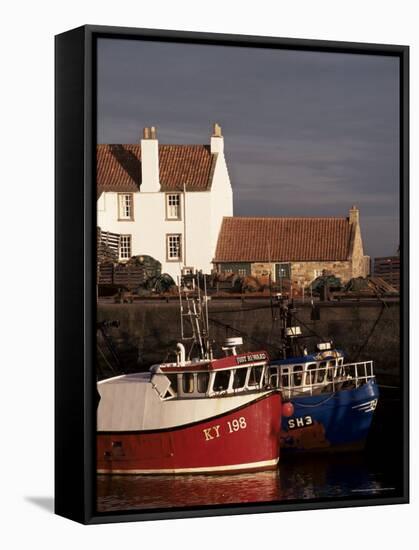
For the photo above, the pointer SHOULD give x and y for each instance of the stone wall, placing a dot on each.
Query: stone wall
(305, 272)
(148, 332)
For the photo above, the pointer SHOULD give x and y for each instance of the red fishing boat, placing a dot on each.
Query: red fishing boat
(193, 415)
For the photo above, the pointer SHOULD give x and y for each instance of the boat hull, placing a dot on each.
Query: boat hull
(330, 421)
(223, 443)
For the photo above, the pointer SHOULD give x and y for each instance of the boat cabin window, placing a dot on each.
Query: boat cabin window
(188, 382)
(321, 372)
(221, 380)
(255, 376)
(285, 377)
(173, 381)
(239, 378)
(311, 374)
(202, 380)
(331, 370)
(273, 373)
(298, 375)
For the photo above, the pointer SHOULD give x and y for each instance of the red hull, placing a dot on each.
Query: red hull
(241, 440)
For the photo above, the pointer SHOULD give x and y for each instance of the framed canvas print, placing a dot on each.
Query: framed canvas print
(231, 274)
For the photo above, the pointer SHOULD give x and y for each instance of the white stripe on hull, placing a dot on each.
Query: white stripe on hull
(208, 469)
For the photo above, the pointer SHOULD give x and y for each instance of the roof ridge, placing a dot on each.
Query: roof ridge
(287, 217)
(160, 144)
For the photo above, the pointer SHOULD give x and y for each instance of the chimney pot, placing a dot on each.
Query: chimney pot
(217, 130)
(146, 133)
(217, 140)
(354, 214)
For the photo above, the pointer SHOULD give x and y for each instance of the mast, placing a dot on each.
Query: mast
(196, 312)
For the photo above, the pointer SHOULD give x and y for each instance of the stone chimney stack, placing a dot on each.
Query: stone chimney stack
(217, 140)
(150, 179)
(354, 215)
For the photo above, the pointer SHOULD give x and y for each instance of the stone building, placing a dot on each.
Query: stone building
(299, 249)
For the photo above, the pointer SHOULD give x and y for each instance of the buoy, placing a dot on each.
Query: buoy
(287, 409)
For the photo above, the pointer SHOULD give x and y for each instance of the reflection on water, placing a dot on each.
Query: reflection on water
(349, 475)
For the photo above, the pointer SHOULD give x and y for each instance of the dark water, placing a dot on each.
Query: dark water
(320, 477)
(376, 471)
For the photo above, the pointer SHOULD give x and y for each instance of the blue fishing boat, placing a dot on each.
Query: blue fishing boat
(331, 403)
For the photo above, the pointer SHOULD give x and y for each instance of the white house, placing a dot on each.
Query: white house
(165, 201)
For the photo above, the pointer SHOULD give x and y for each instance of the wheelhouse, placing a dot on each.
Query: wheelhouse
(206, 380)
(312, 375)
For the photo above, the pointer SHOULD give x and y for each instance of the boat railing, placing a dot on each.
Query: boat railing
(313, 379)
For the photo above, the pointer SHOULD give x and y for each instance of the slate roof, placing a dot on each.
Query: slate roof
(243, 239)
(119, 167)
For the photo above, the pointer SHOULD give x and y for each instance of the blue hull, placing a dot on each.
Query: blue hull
(330, 420)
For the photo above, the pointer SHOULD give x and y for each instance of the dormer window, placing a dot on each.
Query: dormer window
(125, 207)
(173, 208)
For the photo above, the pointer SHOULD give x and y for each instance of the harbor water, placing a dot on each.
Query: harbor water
(374, 472)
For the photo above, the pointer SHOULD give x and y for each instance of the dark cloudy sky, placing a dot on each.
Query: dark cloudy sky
(305, 133)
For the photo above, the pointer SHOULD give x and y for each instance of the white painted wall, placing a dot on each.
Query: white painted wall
(202, 214)
(221, 198)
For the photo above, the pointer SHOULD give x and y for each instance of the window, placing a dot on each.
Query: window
(125, 209)
(255, 376)
(240, 268)
(173, 381)
(322, 371)
(125, 247)
(340, 369)
(239, 378)
(285, 377)
(188, 382)
(202, 380)
(298, 375)
(282, 271)
(173, 210)
(174, 248)
(331, 370)
(311, 374)
(221, 380)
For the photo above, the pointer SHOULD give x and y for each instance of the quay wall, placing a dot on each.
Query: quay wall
(148, 331)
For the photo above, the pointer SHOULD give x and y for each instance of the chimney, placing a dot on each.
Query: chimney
(353, 215)
(217, 140)
(150, 180)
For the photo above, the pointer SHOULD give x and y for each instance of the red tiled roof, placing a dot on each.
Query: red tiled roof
(283, 239)
(119, 167)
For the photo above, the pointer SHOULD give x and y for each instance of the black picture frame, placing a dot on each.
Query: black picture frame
(75, 267)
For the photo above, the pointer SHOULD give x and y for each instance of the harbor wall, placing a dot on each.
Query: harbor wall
(148, 331)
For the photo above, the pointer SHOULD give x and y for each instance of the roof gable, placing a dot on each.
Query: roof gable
(283, 239)
(119, 167)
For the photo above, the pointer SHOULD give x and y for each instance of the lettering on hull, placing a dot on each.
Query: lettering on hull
(232, 426)
(299, 422)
